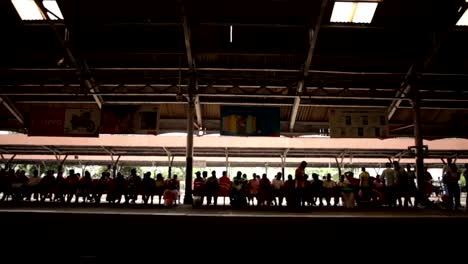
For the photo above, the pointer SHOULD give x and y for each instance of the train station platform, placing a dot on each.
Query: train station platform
(100, 230)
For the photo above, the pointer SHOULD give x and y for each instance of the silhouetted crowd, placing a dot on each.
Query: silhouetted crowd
(396, 186)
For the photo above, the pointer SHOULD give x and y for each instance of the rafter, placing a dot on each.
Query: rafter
(416, 69)
(81, 66)
(12, 109)
(312, 43)
(192, 69)
(221, 90)
(188, 44)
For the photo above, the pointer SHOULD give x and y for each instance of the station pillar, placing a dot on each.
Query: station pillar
(419, 146)
(188, 199)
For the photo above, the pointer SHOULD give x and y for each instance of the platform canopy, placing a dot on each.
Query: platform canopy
(303, 56)
(212, 151)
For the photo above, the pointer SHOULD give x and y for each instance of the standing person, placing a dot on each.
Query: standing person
(348, 191)
(402, 184)
(212, 187)
(412, 189)
(277, 184)
(300, 183)
(390, 182)
(452, 176)
(465, 174)
(364, 185)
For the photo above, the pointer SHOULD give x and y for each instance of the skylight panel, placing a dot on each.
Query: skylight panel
(53, 7)
(343, 12)
(353, 12)
(364, 12)
(29, 10)
(463, 21)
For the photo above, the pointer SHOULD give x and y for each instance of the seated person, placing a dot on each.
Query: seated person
(170, 196)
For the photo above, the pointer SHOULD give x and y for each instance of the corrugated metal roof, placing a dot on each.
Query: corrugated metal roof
(312, 113)
(210, 111)
(429, 116)
(285, 112)
(173, 110)
(402, 115)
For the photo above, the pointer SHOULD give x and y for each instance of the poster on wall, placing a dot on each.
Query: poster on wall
(46, 122)
(59, 122)
(345, 123)
(130, 119)
(250, 121)
(82, 122)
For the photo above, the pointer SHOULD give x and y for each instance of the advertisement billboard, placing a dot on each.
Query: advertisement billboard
(46, 122)
(59, 122)
(130, 119)
(250, 121)
(82, 122)
(345, 123)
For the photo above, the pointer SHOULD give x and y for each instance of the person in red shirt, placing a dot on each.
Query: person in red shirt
(170, 195)
(224, 185)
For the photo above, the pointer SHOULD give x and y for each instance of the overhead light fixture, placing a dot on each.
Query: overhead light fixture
(29, 10)
(353, 12)
(230, 33)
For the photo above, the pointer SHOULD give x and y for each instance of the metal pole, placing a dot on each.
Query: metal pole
(188, 199)
(114, 167)
(171, 161)
(338, 165)
(283, 161)
(418, 136)
(169, 167)
(227, 161)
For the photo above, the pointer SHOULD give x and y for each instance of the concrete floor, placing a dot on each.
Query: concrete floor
(136, 233)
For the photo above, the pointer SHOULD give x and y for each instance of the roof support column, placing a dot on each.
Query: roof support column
(188, 199)
(192, 65)
(418, 137)
(198, 112)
